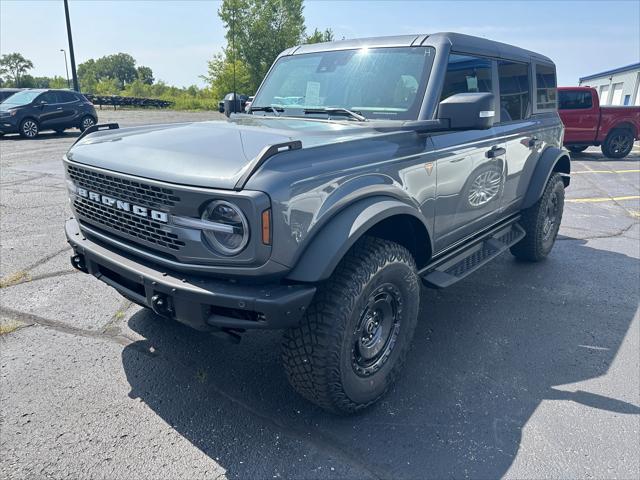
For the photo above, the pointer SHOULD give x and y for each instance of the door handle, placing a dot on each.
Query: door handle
(495, 152)
(59, 108)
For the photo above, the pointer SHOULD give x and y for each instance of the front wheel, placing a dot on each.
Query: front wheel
(618, 144)
(352, 342)
(29, 128)
(541, 223)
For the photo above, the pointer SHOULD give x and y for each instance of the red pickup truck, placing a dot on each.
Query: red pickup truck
(587, 123)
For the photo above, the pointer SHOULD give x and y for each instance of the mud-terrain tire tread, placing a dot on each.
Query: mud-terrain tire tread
(530, 248)
(311, 351)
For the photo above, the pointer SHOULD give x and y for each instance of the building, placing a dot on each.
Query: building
(619, 86)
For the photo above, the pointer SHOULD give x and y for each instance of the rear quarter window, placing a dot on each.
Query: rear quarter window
(546, 87)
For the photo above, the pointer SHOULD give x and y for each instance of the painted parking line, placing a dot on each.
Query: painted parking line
(602, 199)
(606, 171)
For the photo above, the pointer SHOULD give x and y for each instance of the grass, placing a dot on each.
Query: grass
(8, 326)
(20, 276)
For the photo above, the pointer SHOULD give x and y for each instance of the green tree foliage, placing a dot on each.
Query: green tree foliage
(220, 76)
(319, 36)
(145, 75)
(120, 67)
(12, 68)
(257, 31)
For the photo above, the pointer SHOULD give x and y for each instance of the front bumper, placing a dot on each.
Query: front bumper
(200, 302)
(8, 126)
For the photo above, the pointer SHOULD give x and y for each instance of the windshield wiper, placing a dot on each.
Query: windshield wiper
(337, 111)
(269, 108)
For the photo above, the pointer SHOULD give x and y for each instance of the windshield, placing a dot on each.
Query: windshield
(21, 98)
(385, 83)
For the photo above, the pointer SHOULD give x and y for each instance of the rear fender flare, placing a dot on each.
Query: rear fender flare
(553, 159)
(320, 258)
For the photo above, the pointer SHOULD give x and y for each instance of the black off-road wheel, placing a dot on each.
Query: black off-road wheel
(541, 223)
(352, 342)
(577, 149)
(29, 128)
(618, 144)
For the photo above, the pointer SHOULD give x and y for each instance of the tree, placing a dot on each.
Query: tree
(120, 67)
(220, 76)
(318, 36)
(258, 30)
(145, 75)
(13, 66)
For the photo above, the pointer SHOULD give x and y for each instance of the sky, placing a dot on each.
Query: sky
(177, 38)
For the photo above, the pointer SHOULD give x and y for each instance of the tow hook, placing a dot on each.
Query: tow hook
(77, 261)
(160, 304)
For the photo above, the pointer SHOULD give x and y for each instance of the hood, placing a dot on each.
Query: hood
(211, 154)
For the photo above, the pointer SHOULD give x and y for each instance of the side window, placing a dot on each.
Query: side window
(64, 97)
(48, 97)
(467, 74)
(545, 87)
(514, 90)
(574, 100)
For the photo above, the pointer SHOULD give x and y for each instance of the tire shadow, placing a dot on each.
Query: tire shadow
(487, 352)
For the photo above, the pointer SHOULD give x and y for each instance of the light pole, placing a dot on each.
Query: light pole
(76, 87)
(66, 67)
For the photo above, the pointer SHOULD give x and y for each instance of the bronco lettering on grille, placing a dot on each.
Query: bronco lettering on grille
(125, 206)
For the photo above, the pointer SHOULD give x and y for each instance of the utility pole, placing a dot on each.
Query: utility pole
(76, 87)
(233, 49)
(66, 66)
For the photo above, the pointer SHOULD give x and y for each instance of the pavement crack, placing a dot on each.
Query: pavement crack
(32, 319)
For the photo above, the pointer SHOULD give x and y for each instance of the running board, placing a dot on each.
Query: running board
(460, 263)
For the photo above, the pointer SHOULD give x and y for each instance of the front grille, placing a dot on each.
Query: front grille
(133, 225)
(128, 190)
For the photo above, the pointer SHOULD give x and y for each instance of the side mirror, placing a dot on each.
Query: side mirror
(468, 111)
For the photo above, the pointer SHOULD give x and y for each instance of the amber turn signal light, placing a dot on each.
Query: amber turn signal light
(266, 227)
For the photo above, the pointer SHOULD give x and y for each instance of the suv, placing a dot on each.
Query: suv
(30, 111)
(363, 169)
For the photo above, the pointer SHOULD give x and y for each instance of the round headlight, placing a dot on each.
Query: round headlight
(230, 234)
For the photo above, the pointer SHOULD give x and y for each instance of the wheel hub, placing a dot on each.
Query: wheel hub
(551, 216)
(375, 335)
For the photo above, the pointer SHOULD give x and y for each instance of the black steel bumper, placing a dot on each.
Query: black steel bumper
(204, 304)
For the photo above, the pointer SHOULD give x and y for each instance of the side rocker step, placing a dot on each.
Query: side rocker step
(457, 265)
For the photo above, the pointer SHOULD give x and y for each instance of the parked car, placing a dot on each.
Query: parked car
(387, 163)
(7, 92)
(587, 123)
(31, 111)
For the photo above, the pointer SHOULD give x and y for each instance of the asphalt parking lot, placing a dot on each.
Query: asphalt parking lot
(519, 371)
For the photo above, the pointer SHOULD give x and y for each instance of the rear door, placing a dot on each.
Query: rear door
(70, 108)
(579, 115)
(470, 164)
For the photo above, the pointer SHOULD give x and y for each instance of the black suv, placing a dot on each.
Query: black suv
(30, 111)
(363, 169)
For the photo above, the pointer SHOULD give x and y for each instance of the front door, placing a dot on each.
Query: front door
(470, 165)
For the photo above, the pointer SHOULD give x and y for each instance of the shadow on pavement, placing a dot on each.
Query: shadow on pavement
(487, 352)
(46, 135)
(597, 156)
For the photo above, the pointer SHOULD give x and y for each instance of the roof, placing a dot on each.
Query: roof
(457, 41)
(633, 66)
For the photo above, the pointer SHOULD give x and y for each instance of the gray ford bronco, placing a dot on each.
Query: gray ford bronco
(363, 169)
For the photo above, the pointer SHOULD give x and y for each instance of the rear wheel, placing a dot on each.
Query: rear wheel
(352, 342)
(618, 144)
(29, 128)
(86, 122)
(541, 223)
(577, 149)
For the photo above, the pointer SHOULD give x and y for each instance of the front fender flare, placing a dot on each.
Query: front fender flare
(320, 258)
(547, 163)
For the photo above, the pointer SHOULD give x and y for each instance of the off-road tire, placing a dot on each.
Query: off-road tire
(577, 149)
(320, 356)
(618, 144)
(29, 128)
(539, 239)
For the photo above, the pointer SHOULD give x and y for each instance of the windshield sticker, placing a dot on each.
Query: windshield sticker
(312, 96)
